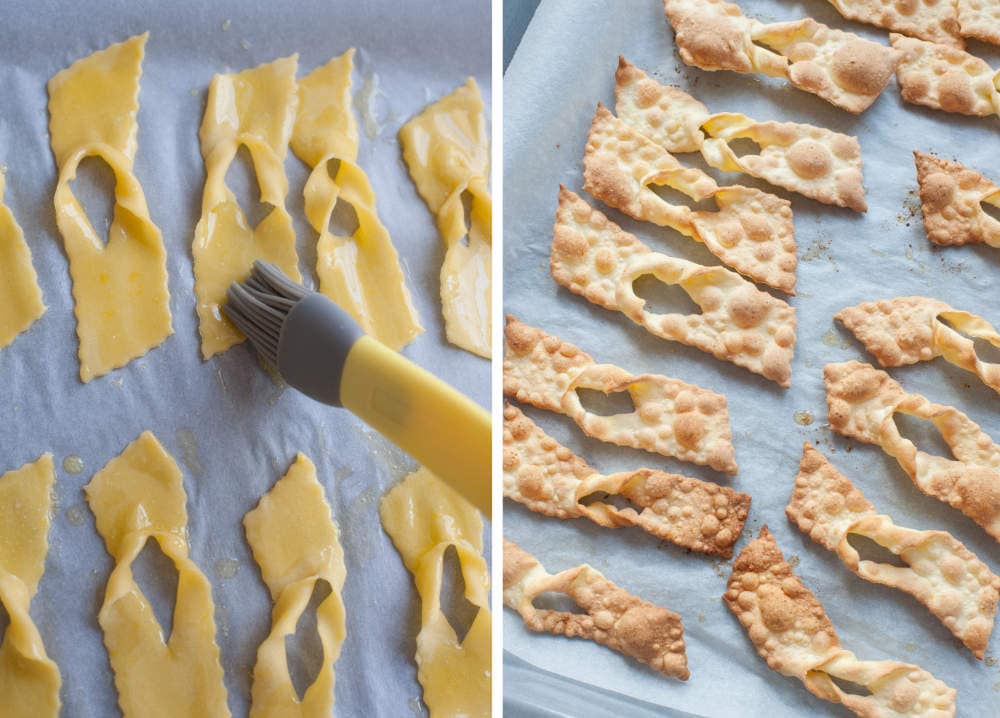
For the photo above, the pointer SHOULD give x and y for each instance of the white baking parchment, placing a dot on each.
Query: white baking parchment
(564, 66)
(232, 428)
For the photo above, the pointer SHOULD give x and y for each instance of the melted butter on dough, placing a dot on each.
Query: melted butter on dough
(29, 680)
(294, 541)
(122, 300)
(254, 109)
(424, 516)
(361, 273)
(447, 152)
(20, 297)
(138, 496)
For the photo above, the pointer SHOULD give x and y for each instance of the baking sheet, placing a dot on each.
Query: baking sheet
(564, 66)
(231, 427)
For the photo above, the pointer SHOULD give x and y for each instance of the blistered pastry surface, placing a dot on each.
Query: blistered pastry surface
(550, 479)
(862, 402)
(424, 516)
(939, 571)
(122, 303)
(979, 19)
(931, 20)
(945, 78)
(447, 152)
(296, 545)
(361, 273)
(612, 616)
(20, 296)
(29, 679)
(951, 201)
(137, 497)
(670, 417)
(738, 323)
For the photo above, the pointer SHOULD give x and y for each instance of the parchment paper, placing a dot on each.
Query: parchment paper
(564, 66)
(231, 427)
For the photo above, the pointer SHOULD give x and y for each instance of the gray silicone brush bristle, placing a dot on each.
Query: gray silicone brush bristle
(259, 306)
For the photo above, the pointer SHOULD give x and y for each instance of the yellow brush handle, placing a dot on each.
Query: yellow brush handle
(441, 428)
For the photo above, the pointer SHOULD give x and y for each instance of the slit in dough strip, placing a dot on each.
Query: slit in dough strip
(360, 273)
(907, 330)
(752, 231)
(29, 679)
(550, 479)
(122, 303)
(613, 617)
(940, 572)
(595, 258)
(447, 153)
(671, 418)
(139, 496)
(423, 517)
(791, 631)
(931, 20)
(295, 543)
(20, 296)
(254, 109)
(842, 68)
(951, 202)
(862, 402)
(813, 161)
(945, 78)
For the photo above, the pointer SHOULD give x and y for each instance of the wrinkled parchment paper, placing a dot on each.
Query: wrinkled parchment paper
(564, 66)
(232, 428)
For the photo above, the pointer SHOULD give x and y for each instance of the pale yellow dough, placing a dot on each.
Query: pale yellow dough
(20, 297)
(122, 300)
(136, 497)
(29, 679)
(424, 516)
(448, 154)
(361, 273)
(253, 109)
(294, 541)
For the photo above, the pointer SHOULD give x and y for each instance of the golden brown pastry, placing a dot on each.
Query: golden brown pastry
(951, 201)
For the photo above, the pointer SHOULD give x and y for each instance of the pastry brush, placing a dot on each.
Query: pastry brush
(320, 350)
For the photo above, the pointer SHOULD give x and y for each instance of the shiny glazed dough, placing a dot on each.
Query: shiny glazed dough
(448, 154)
(424, 516)
(139, 496)
(361, 273)
(254, 109)
(29, 680)
(295, 543)
(120, 288)
(20, 298)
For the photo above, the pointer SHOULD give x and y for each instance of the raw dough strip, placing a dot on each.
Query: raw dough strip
(139, 496)
(295, 543)
(940, 571)
(29, 679)
(752, 231)
(446, 149)
(595, 258)
(614, 617)
(840, 67)
(254, 109)
(122, 302)
(980, 19)
(550, 479)
(20, 296)
(423, 517)
(907, 330)
(361, 273)
(791, 631)
(862, 402)
(671, 417)
(931, 20)
(951, 201)
(813, 161)
(945, 78)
